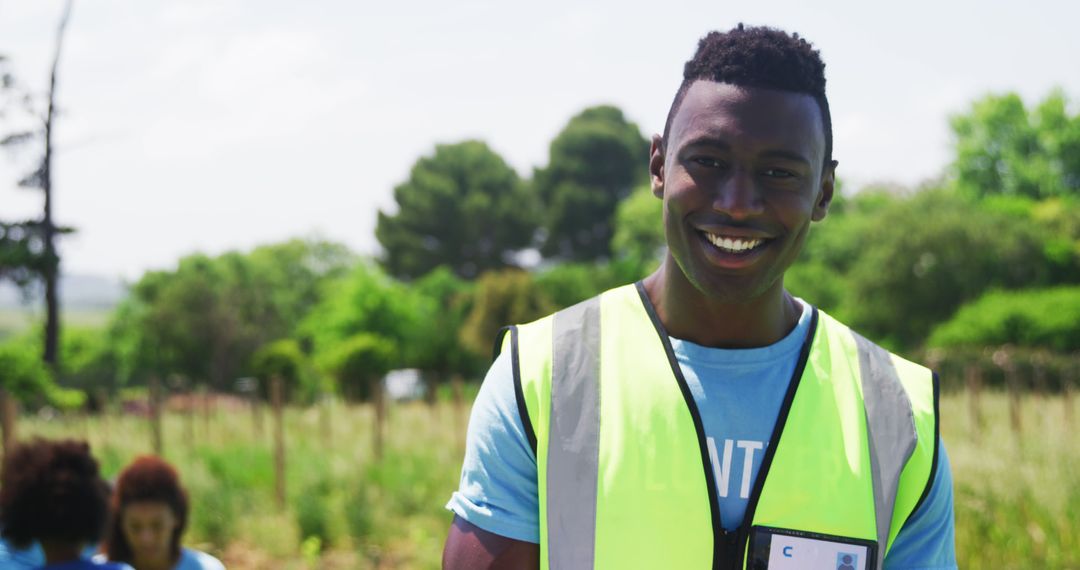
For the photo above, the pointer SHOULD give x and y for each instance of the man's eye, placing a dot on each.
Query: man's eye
(779, 173)
(707, 161)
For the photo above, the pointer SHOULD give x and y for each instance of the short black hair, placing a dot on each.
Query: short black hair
(758, 57)
(52, 490)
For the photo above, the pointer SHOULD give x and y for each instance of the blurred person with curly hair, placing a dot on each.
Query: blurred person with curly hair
(151, 515)
(52, 494)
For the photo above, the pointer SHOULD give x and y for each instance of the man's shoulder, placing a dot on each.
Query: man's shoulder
(866, 343)
(626, 291)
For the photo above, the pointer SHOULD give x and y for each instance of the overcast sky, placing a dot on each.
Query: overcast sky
(221, 124)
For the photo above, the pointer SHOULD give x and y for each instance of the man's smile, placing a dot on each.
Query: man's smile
(732, 252)
(732, 244)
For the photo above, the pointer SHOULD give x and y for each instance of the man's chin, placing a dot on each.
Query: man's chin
(730, 290)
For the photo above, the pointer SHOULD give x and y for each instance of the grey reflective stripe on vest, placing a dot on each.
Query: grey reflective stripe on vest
(890, 427)
(574, 437)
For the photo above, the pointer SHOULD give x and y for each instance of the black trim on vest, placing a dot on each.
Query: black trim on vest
(723, 545)
(774, 440)
(937, 446)
(496, 350)
(519, 393)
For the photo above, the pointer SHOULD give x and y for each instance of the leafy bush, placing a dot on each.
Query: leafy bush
(360, 362)
(284, 358)
(571, 283)
(313, 507)
(502, 298)
(22, 372)
(1034, 318)
(926, 256)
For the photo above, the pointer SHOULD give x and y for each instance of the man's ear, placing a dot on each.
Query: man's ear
(656, 166)
(825, 195)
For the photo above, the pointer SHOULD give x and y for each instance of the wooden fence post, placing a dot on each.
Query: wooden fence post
(103, 412)
(1038, 375)
(1068, 377)
(325, 421)
(155, 416)
(457, 388)
(189, 413)
(9, 412)
(1012, 382)
(380, 417)
(277, 400)
(973, 380)
(255, 399)
(207, 405)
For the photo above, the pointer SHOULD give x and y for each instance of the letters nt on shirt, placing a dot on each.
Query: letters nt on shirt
(722, 464)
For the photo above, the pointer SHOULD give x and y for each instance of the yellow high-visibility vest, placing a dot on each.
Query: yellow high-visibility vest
(623, 469)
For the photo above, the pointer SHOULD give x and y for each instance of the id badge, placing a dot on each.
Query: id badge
(783, 549)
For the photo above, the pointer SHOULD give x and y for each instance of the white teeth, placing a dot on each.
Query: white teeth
(734, 245)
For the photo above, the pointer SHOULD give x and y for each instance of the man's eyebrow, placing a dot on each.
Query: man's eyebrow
(709, 141)
(720, 144)
(786, 155)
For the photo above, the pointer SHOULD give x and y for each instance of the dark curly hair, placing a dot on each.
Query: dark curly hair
(147, 479)
(758, 57)
(52, 490)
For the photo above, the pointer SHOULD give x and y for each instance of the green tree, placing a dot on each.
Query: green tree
(463, 207)
(925, 256)
(22, 374)
(26, 377)
(1003, 148)
(365, 302)
(835, 246)
(442, 302)
(31, 250)
(595, 162)
(639, 230)
(502, 298)
(566, 284)
(360, 361)
(283, 358)
(206, 319)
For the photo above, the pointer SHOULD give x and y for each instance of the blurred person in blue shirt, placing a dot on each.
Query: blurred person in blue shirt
(53, 506)
(151, 515)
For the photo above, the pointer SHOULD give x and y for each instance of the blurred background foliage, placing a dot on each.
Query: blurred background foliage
(985, 255)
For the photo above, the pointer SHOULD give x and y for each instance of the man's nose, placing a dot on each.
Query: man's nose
(738, 195)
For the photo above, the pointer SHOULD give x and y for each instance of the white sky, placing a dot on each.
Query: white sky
(220, 124)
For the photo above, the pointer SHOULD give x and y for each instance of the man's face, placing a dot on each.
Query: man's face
(741, 176)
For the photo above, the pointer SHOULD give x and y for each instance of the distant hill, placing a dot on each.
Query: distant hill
(77, 292)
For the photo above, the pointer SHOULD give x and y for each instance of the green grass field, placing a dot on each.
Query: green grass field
(1017, 496)
(15, 321)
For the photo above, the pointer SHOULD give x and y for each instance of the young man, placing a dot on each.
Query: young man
(705, 417)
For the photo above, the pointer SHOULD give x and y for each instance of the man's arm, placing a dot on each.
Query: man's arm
(470, 547)
(496, 507)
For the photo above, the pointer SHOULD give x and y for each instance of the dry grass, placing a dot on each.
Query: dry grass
(1017, 495)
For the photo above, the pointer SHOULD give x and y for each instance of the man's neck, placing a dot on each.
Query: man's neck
(690, 315)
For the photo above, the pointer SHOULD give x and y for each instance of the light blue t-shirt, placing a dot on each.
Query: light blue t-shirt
(738, 393)
(12, 558)
(33, 557)
(196, 560)
(190, 559)
(86, 564)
